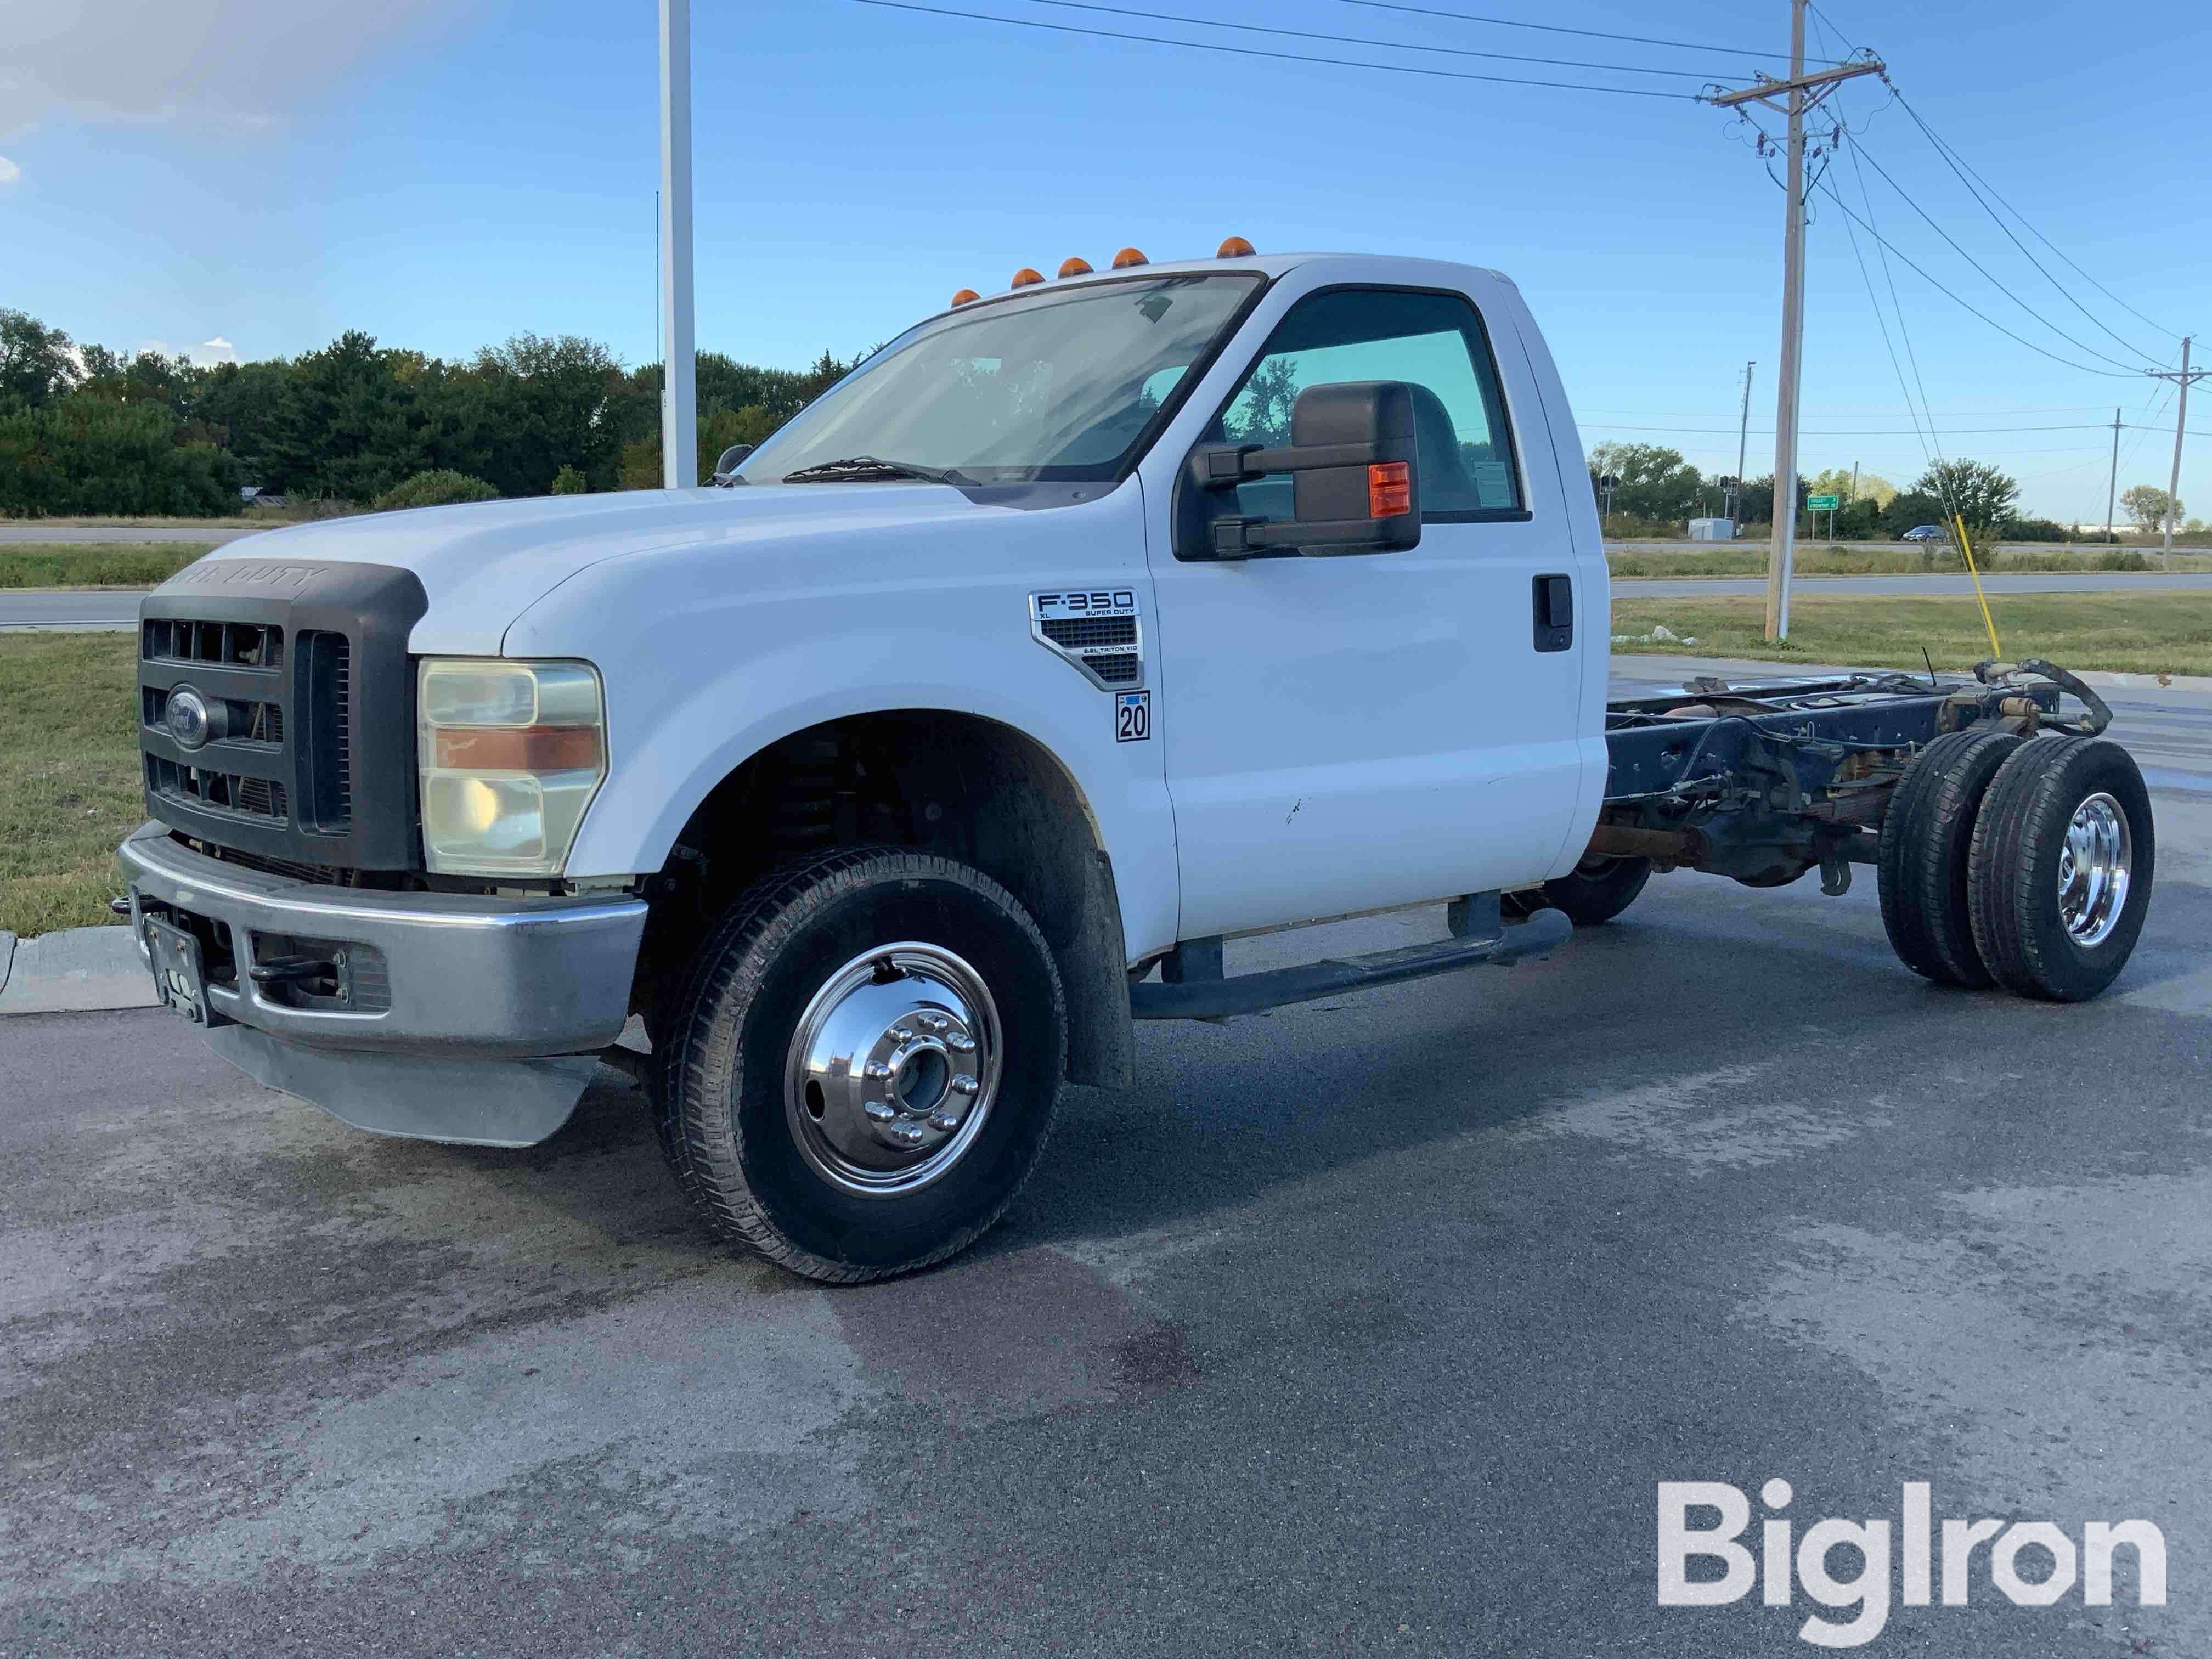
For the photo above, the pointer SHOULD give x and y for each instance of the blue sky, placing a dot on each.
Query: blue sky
(267, 173)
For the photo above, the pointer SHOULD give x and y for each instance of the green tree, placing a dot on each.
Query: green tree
(36, 363)
(346, 426)
(1655, 481)
(436, 488)
(569, 482)
(1980, 494)
(84, 455)
(2148, 506)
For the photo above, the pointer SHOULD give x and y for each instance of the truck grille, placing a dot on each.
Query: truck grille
(216, 791)
(308, 759)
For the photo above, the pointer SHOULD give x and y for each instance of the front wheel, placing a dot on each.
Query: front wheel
(862, 1070)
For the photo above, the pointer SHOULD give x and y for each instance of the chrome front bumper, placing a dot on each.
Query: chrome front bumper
(492, 1009)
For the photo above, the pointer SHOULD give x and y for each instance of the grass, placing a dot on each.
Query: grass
(95, 564)
(1877, 559)
(2150, 633)
(70, 787)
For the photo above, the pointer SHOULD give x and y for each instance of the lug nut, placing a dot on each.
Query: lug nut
(960, 1043)
(900, 1034)
(964, 1084)
(877, 1110)
(945, 1122)
(876, 1071)
(907, 1134)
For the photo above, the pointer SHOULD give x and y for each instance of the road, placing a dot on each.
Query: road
(39, 530)
(1368, 1326)
(97, 612)
(2058, 582)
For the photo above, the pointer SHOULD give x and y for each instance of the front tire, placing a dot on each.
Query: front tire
(862, 1069)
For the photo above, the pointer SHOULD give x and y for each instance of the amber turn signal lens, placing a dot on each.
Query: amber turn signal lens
(1389, 489)
(1235, 248)
(517, 748)
(966, 296)
(1074, 267)
(1127, 257)
(1024, 276)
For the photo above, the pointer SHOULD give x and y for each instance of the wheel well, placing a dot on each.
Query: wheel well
(954, 784)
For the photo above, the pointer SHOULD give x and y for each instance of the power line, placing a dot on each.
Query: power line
(2110, 374)
(1278, 57)
(1863, 432)
(1956, 166)
(1560, 29)
(1365, 41)
(1859, 148)
(1962, 161)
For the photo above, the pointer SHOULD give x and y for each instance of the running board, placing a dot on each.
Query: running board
(1250, 994)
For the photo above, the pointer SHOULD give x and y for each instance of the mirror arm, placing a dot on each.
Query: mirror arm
(1218, 469)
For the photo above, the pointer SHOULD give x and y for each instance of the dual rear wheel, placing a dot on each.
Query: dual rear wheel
(2023, 863)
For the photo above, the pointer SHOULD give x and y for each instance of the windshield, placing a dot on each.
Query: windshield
(1060, 386)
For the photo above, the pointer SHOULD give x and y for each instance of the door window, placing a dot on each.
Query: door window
(1435, 342)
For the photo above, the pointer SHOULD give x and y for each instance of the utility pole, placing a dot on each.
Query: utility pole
(2112, 487)
(2184, 375)
(679, 402)
(1742, 437)
(1803, 93)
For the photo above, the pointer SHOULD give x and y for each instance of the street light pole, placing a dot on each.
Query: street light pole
(1742, 440)
(679, 423)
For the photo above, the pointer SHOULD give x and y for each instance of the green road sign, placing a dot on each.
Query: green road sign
(1822, 503)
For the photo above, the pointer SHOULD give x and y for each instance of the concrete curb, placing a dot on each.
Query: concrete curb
(76, 970)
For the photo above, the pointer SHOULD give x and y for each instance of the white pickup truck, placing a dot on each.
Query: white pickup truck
(1080, 628)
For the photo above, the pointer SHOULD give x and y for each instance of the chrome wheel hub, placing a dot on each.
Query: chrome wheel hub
(893, 1069)
(2094, 865)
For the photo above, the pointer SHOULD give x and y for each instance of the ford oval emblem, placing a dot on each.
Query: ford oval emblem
(186, 717)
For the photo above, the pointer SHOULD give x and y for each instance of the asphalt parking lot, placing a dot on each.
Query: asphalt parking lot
(1369, 1325)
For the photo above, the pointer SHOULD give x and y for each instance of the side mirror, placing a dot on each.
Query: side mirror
(1354, 463)
(726, 469)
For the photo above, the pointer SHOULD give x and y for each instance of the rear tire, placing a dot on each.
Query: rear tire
(1595, 890)
(1926, 837)
(862, 1069)
(2062, 859)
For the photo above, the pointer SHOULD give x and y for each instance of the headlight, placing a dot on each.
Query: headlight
(511, 754)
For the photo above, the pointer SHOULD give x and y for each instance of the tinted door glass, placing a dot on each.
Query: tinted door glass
(1434, 343)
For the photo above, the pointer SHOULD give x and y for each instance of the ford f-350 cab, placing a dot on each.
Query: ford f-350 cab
(1079, 628)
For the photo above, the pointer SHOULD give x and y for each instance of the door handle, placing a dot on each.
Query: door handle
(1552, 599)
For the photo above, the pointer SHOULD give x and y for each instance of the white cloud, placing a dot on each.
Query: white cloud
(235, 64)
(207, 353)
(9, 173)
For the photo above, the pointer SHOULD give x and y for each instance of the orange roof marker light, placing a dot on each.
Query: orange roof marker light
(1024, 276)
(1074, 266)
(1235, 248)
(966, 296)
(1127, 257)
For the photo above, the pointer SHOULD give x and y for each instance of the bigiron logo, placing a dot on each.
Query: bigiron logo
(2033, 1563)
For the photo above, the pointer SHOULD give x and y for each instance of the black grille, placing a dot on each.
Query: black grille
(233, 645)
(1075, 632)
(310, 757)
(327, 663)
(215, 791)
(244, 722)
(1116, 669)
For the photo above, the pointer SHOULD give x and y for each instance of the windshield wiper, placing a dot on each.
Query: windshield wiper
(870, 466)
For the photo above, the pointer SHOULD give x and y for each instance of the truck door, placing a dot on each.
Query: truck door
(1343, 734)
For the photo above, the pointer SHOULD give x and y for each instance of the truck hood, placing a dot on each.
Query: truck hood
(483, 564)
